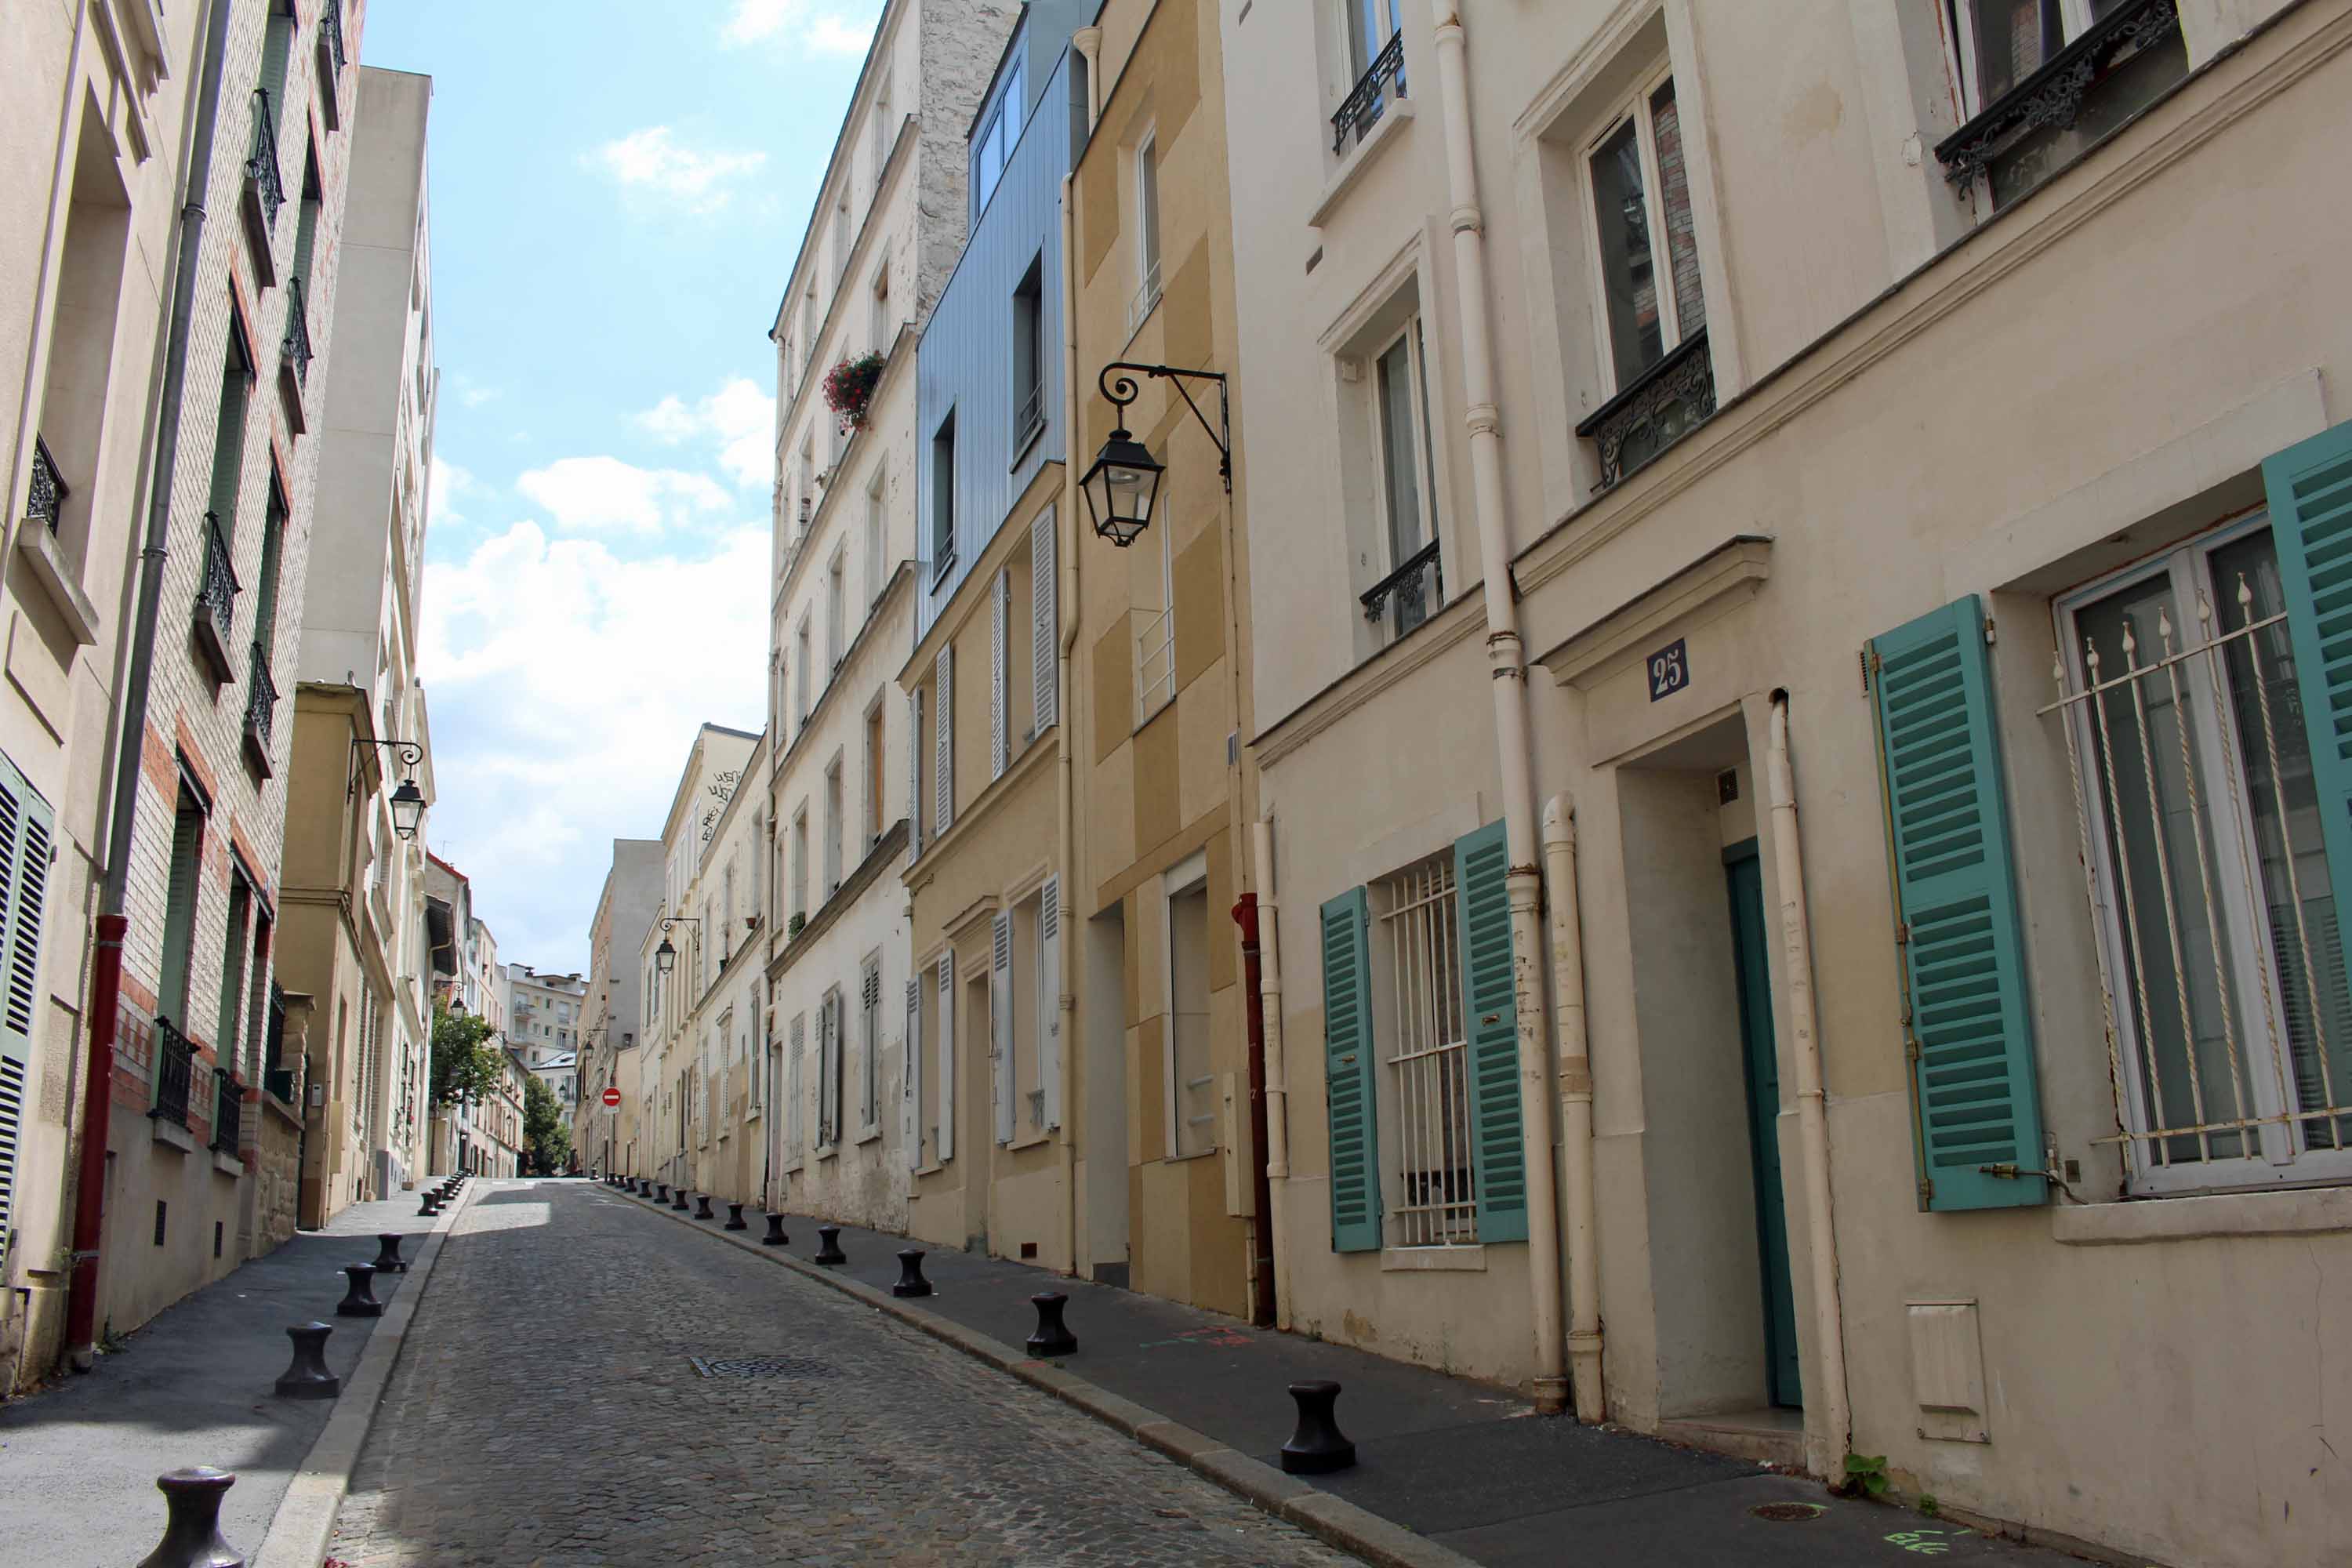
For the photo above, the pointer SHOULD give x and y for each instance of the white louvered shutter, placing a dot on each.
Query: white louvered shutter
(25, 837)
(1049, 998)
(943, 743)
(1000, 1025)
(1045, 630)
(914, 776)
(793, 1109)
(825, 1130)
(946, 1088)
(911, 1098)
(1000, 608)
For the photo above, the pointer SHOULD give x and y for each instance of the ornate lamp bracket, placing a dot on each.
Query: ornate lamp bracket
(1123, 389)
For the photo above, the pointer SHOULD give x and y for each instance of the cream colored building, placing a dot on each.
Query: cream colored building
(1797, 399)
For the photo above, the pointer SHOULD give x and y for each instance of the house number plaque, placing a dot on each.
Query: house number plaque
(1669, 670)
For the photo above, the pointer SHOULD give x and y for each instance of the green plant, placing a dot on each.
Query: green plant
(1928, 1504)
(544, 1131)
(1865, 1474)
(464, 1068)
(793, 927)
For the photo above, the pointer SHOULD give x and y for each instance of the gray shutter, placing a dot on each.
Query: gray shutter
(1049, 998)
(943, 743)
(914, 775)
(1045, 630)
(999, 609)
(910, 1097)
(946, 1142)
(1000, 1032)
(25, 837)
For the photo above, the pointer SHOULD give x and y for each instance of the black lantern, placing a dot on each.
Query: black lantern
(1123, 483)
(666, 956)
(1121, 488)
(407, 808)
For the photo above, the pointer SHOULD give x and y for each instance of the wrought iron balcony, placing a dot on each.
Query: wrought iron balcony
(1381, 82)
(228, 1111)
(48, 491)
(298, 330)
(1029, 419)
(331, 30)
(174, 1066)
(1417, 588)
(1656, 409)
(260, 709)
(215, 599)
(261, 164)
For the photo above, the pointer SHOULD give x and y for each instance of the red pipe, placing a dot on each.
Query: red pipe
(97, 1111)
(1260, 1189)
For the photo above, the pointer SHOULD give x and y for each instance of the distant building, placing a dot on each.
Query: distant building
(612, 1011)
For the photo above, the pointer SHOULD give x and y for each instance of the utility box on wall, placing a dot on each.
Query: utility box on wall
(1948, 1371)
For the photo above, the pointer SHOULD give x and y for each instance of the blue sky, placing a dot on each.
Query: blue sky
(617, 193)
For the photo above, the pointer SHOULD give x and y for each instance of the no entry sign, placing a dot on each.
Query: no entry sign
(612, 1098)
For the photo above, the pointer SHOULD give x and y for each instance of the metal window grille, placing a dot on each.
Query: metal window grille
(1428, 1062)
(1364, 105)
(2221, 969)
(1155, 658)
(175, 1064)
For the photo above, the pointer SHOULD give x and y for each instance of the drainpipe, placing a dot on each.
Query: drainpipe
(1813, 1101)
(1575, 1088)
(1276, 1131)
(1065, 605)
(1262, 1307)
(1509, 681)
(106, 967)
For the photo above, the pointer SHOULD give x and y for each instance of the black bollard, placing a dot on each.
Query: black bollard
(661, 1191)
(387, 1256)
(429, 1207)
(702, 1207)
(360, 1301)
(308, 1377)
(191, 1537)
(735, 1217)
(910, 1274)
(775, 1237)
(1317, 1448)
(828, 1248)
(678, 1200)
(1053, 1337)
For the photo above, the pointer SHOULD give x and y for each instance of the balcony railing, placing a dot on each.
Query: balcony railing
(1029, 419)
(296, 346)
(261, 164)
(1381, 82)
(47, 497)
(228, 1111)
(1656, 409)
(331, 30)
(1147, 297)
(1417, 586)
(215, 599)
(260, 706)
(174, 1065)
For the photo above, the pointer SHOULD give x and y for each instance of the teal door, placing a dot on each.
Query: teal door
(1763, 1075)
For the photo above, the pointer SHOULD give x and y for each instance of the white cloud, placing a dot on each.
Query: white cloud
(606, 495)
(739, 417)
(446, 480)
(653, 160)
(819, 32)
(566, 687)
(831, 35)
(475, 396)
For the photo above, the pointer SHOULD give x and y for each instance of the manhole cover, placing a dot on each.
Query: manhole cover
(1788, 1512)
(759, 1366)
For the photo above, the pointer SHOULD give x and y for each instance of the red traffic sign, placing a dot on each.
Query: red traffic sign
(612, 1098)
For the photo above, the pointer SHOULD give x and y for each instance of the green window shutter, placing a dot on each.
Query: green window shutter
(1969, 1036)
(2310, 491)
(1350, 1094)
(277, 44)
(1490, 1019)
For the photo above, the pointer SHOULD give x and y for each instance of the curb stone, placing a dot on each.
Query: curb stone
(1332, 1519)
(305, 1521)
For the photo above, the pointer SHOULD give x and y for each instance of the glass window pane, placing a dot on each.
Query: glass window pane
(2274, 754)
(1628, 284)
(1674, 195)
(1147, 180)
(1371, 24)
(2013, 37)
(2169, 940)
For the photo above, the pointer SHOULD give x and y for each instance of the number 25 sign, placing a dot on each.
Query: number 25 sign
(1669, 670)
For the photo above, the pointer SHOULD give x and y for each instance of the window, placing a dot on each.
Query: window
(26, 829)
(943, 483)
(836, 609)
(833, 818)
(1415, 583)
(870, 773)
(1151, 592)
(793, 1092)
(1147, 230)
(878, 571)
(843, 236)
(804, 654)
(228, 432)
(885, 132)
(1028, 357)
(800, 864)
(1376, 66)
(234, 955)
(881, 326)
(992, 150)
(869, 1046)
(1192, 1093)
(828, 1079)
(179, 906)
(2121, 55)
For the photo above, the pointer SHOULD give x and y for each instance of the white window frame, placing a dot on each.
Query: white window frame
(1960, 45)
(1633, 105)
(1144, 177)
(836, 610)
(800, 861)
(877, 517)
(1186, 876)
(1411, 336)
(834, 807)
(1155, 633)
(2255, 968)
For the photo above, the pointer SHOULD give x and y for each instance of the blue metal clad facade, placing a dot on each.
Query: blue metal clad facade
(965, 365)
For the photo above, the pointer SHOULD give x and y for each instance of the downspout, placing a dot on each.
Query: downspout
(1813, 1101)
(1262, 1285)
(105, 968)
(1575, 1088)
(1065, 605)
(1509, 674)
(1277, 1091)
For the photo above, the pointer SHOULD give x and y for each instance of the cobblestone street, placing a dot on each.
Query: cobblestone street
(548, 1409)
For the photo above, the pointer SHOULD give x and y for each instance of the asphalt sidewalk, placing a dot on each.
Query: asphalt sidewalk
(1464, 1464)
(193, 1387)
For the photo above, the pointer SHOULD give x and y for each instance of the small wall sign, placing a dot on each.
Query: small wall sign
(1669, 670)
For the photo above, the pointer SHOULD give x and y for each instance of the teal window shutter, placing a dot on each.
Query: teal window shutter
(1350, 1094)
(1490, 1021)
(1967, 1034)
(2310, 491)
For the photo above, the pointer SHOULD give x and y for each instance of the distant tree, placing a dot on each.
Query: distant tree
(545, 1133)
(465, 1069)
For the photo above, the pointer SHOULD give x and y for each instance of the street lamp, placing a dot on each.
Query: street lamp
(666, 956)
(1123, 484)
(407, 801)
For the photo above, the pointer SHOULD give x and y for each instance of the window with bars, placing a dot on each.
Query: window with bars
(1420, 948)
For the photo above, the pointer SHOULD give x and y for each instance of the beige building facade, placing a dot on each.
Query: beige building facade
(1864, 684)
(612, 1010)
